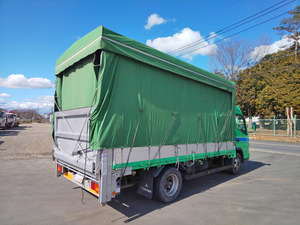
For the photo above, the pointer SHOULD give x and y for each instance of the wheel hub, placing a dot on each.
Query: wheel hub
(171, 185)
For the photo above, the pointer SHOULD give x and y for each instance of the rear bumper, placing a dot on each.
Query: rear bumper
(83, 180)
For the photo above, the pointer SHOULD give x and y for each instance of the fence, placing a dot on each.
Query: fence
(277, 127)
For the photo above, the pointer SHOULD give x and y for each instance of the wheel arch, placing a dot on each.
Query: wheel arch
(239, 150)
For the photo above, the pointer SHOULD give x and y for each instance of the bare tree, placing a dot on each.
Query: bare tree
(233, 56)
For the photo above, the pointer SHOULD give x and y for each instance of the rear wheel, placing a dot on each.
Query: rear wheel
(237, 163)
(167, 185)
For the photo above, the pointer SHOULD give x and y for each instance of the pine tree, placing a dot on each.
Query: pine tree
(290, 26)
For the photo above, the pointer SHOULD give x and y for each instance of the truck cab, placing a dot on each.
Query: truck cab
(241, 135)
(3, 122)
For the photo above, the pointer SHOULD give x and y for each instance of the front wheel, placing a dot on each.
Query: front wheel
(237, 163)
(167, 185)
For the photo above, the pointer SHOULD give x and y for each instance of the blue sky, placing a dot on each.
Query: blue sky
(34, 33)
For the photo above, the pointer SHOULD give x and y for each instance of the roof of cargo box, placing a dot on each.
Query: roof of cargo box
(104, 39)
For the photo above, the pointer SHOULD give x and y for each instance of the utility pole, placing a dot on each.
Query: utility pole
(291, 120)
(287, 113)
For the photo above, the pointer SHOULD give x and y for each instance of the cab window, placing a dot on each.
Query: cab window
(241, 125)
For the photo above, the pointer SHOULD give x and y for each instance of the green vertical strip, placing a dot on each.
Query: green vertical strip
(274, 126)
(295, 130)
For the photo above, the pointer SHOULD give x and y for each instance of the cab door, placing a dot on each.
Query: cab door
(242, 137)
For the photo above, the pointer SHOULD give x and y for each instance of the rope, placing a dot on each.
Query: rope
(88, 117)
(148, 158)
(68, 126)
(226, 137)
(187, 153)
(177, 157)
(163, 141)
(136, 130)
(203, 139)
(219, 147)
(219, 135)
(84, 173)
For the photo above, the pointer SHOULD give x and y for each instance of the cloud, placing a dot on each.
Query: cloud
(153, 20)
(20, 81)
(42, 103)
(4, 95)
(184, 37)
(277, 46)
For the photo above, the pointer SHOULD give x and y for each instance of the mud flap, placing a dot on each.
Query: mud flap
(146, 182)
(146, 185)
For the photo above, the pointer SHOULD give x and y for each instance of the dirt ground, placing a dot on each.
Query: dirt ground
(28, 141)
(274, 138)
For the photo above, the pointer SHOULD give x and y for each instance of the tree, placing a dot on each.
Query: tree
(281, 87)
(249, 84)
(268, 87)
(28, 114)
(290, 26)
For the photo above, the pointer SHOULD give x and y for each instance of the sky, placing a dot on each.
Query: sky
(35, 33)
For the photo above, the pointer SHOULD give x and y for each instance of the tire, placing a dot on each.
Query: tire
(167, 185)
(237, 163)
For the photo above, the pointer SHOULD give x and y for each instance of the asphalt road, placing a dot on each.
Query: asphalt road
(267, 191)
(276, 147)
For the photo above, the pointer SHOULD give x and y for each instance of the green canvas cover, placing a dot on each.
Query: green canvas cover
(141, 96)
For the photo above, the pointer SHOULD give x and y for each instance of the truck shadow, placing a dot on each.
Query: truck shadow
(13, 131)
(133, 206)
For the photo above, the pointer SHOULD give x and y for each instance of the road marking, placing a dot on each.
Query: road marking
(283, 153)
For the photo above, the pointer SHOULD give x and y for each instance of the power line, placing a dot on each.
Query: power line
(233, 26)
(220, 11)
(283, 53)
(282, 56)
(224, 29)
(237, 32)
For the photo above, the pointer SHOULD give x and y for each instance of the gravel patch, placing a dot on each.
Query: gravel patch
(28, 141)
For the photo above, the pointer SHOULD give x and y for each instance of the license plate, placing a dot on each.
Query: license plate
(79, 178)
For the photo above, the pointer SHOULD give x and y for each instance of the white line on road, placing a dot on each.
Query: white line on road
(274, 152)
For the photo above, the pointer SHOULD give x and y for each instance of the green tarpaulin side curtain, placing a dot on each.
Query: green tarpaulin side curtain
(130, 91)
(134, 90)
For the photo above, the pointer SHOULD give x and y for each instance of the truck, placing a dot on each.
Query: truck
(12, 119)
(3, 119)
(8, 119)
(125, 114)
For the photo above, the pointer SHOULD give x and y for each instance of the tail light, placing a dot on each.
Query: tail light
(59, 168)
(95, 187)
